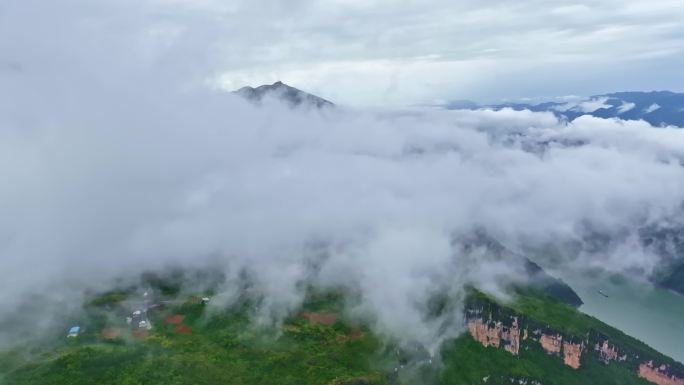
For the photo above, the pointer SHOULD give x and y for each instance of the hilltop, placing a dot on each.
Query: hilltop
(291, 96)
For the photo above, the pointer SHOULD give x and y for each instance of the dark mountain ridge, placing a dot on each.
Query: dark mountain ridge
(659, 108)
(536, 276)
(291, 96)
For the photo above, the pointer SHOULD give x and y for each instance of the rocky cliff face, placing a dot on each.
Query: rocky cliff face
(551, 343)
(493, 333)
(572, 353)
(660, 375)
(608, 352)
(494, 326)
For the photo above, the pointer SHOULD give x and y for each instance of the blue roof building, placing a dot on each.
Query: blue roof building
(73, 332)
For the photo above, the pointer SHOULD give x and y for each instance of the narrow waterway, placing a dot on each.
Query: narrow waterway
(655, 316)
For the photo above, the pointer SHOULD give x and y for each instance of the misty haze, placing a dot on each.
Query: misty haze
(341, 192)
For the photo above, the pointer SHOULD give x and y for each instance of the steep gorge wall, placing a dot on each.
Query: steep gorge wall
(498, 327)
(496, 334)
(659, 375)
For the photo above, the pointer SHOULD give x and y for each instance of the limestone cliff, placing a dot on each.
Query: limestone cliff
(572, 353)
(496, 326)
(660, 375)
(494, 333)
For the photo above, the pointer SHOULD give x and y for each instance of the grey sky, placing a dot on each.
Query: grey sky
(375, 52)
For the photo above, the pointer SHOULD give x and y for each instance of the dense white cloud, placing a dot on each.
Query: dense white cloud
(108, 190)
(115, 156)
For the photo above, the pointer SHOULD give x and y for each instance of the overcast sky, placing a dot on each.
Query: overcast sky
(371, 52)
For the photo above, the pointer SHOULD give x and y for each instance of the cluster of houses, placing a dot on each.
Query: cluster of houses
(138, 318)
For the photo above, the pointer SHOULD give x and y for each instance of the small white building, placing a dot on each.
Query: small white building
(74, 332)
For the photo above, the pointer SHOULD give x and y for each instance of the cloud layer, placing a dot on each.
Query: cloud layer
(116, 157)
(92, 195)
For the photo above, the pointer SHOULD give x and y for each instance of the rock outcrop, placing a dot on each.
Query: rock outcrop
(496, 334)
(551, 343)
(658, 375)
(512, 336)
(501, 327)
(609, 353)
(485, 334)
(572, 353)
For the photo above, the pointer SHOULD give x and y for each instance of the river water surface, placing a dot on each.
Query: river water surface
(652, 315)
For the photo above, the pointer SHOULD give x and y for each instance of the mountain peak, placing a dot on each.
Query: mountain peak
(292, 96)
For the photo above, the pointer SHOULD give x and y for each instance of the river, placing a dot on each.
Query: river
(652, 315)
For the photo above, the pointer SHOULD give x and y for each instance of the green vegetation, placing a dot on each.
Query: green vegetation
(468, 362)
(545, 310)
(192, 343)
(221, 348)
(109, 299)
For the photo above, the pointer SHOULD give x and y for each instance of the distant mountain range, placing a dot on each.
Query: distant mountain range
(659, 108)
(292, 96)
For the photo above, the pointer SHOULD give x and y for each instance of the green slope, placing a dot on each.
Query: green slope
(226, 348)
(223, 348)
(468, 362)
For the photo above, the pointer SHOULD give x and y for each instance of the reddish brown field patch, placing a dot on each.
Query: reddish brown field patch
(356, 334)
(183, 329)
(175, 319)
(321, 318)
(141, 334)
(110, 334)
